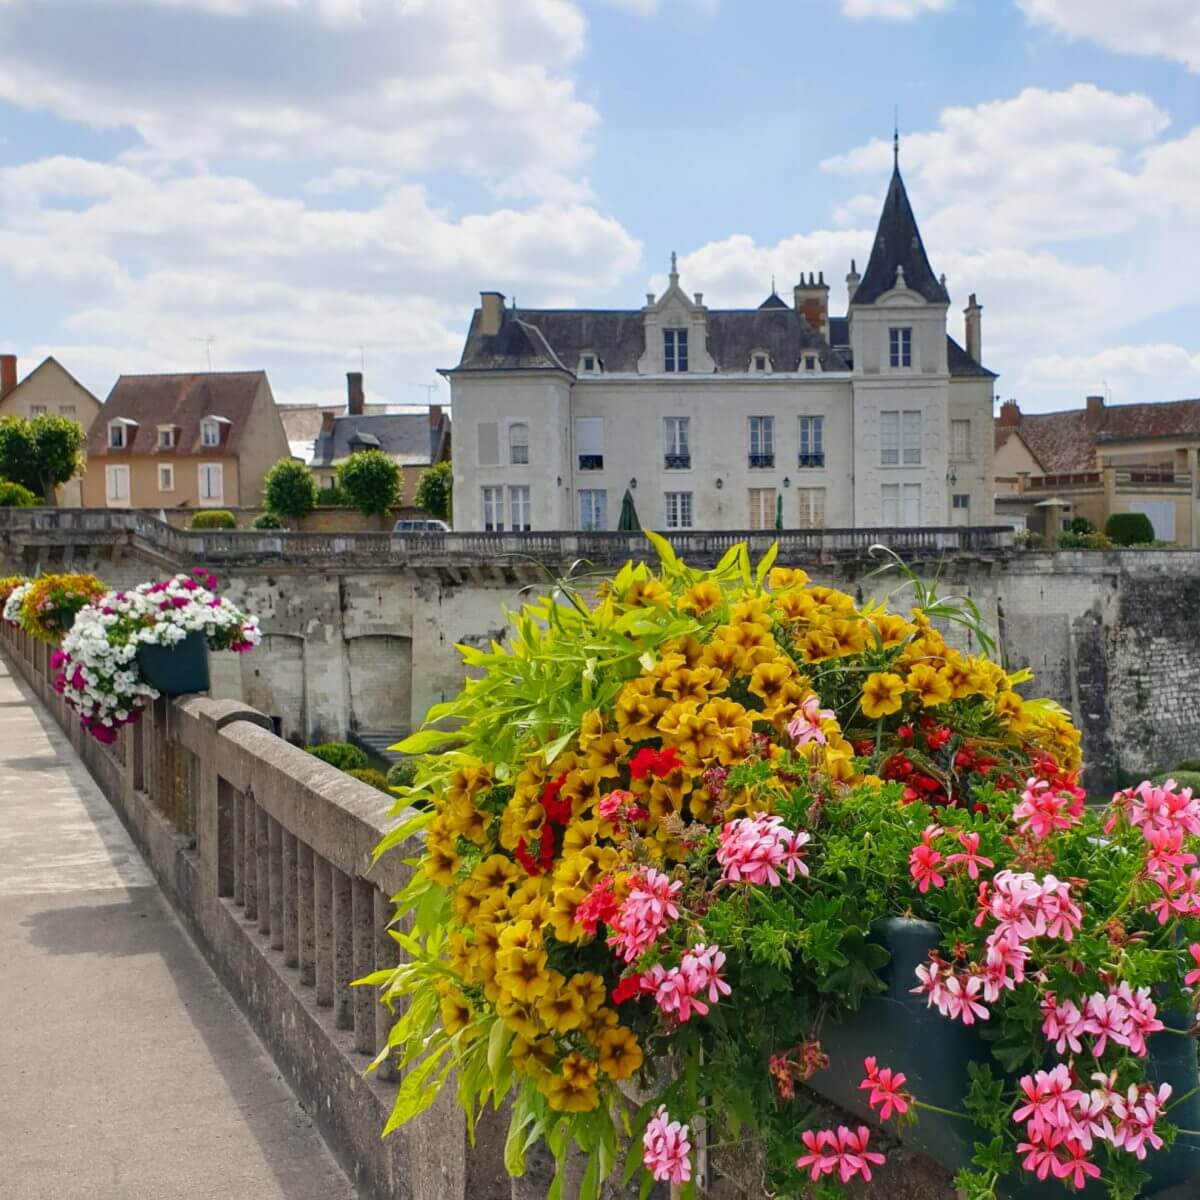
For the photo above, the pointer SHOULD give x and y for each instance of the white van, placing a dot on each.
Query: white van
(421, 525)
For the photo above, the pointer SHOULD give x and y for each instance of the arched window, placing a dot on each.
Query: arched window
(518, 444)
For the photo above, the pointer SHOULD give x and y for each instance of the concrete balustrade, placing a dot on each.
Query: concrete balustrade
(266, 853)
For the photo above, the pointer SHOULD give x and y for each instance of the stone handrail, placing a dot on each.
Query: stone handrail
(57, 526)
(266, 851)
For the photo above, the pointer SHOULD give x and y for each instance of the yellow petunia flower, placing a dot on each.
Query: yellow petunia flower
(620, 1053)
(929, 685)
(781, 578)
(882, 694)
(700, 598)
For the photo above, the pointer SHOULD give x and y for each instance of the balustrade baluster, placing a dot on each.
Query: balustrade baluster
(305, 912)
(323, 922)
(343, 950)
(239, 848)
(291, 930)
(363, 909)
(275, 870)
(249, 859)
(262, 861)
(386, 955)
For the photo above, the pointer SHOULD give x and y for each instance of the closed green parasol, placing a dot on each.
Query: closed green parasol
(628, 522)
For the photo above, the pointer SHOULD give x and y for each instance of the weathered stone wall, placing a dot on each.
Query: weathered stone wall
(1114, 637)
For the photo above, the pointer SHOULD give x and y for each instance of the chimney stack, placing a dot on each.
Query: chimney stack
(812, 302)
(8, 374)
(1010, 415)
(974, 328)
(491, 313)
(354, 393)
(327, 416)
(852, 282)
(1095, 417)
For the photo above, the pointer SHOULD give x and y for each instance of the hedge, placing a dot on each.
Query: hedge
(1129, 529)
(341, 755)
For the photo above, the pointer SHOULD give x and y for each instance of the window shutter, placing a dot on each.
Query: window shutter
(489, 444)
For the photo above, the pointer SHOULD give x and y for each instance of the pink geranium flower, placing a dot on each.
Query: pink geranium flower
(1193, 976)
(970, 857)
(805, 726)
(761, 849)
(648, 909)
(884, 1084)
(666, 1148)
(925, 859)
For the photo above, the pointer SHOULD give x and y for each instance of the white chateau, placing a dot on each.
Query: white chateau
(713, 417)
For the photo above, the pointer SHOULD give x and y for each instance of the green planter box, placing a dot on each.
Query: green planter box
(902, 1033)
(176, 670)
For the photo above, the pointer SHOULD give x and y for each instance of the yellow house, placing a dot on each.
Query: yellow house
(1100, 460)
(48, 390)
(184, 441)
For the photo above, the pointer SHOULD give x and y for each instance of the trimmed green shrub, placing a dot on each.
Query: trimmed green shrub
(1081, 525)
(371, 482)
(1069, 540)
(341, 755)
(1129, 529)
(214, 518)
(289, 489)
(267, 520)
(13, 495)
(369, 775)
(435, 491)
(402, 774)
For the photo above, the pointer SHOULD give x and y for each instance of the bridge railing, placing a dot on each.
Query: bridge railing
(36, 526)
(266, 850)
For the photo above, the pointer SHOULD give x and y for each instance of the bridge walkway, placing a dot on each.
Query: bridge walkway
(126, 1071)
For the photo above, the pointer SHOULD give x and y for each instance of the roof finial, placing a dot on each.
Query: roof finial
(674, 269)
(772, 283)
(896, 140)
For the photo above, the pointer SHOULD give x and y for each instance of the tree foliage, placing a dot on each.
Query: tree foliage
(371, 482)
(435, 491)
(13, 495)
(40, 453)
(289, 489)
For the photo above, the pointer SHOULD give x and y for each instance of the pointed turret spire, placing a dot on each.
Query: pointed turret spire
(674, 271)
(898, 245)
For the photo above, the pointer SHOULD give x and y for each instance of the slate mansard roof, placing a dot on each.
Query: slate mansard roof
(144, 402)
(554, 339)
(408, 438)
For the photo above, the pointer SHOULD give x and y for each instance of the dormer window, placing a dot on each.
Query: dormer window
(810, 362)
(760, 362)
(210, 433)
(166, 437)
(120, 433)
(589, 363)
(675, 350)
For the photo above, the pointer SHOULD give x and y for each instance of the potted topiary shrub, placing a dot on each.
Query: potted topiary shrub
(131, 647)
(737, 838)
(214, 518)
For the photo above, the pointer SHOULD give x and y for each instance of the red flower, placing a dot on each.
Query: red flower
(557, 809)
(648, 761)
(935, 739)
(905, 733)
(627, 988)
(521, 854)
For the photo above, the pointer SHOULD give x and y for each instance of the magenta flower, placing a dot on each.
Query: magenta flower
(1193, 976)
(884, 1084)
(761, 849)
(924, 861)
(970, 857)
(805, 726)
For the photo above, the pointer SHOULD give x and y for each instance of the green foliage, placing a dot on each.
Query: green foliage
(342, 755)
(371, 481)
(214, 518)
(289, 489)
(369, 775)
(41, 452)
(1129, 529)
(1028, 539)
(1184, 777)
(1081, 525)
(267, 520)
(402, 774)
(13, 495)
(435, 491)
(1071, 540)
(331, 495)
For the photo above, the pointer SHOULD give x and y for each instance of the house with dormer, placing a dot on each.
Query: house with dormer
(184, 441)
(731, 419)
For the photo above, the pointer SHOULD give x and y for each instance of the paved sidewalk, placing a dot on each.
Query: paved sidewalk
(126, 1071)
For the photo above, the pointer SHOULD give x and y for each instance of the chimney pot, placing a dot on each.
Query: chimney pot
(1010, 414)
(327, 422)
(491, 306)
(8, 374)
(699, 299)
(1094, 416)
(974, 328)
(354, 393)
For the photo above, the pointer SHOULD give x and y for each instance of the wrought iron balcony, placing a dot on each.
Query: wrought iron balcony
(762, 460)
(677, 462)
(812, 460)
(591, 462)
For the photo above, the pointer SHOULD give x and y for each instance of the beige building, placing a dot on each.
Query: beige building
(184, 441)
(731, 418)
(1099, 460)
(48, 390)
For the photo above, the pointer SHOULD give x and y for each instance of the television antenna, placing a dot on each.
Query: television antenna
(208, 345)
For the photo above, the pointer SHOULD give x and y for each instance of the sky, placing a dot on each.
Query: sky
(318, 186)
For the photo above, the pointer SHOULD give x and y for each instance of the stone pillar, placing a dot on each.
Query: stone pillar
(1109, 474)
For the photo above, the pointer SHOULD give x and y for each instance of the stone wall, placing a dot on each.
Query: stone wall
(363, 634)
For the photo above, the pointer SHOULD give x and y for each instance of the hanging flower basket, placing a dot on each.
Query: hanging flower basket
(46, 607)
(8, 585)
(740, 823)
(131, 647)
(177, 670)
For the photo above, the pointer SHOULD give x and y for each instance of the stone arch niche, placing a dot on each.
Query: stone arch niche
(380, 681)
(273, 681)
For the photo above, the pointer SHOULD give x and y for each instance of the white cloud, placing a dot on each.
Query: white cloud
(407, 88)
(650, 8)
(1150, 371)
(1159, 28)
(892, 10)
